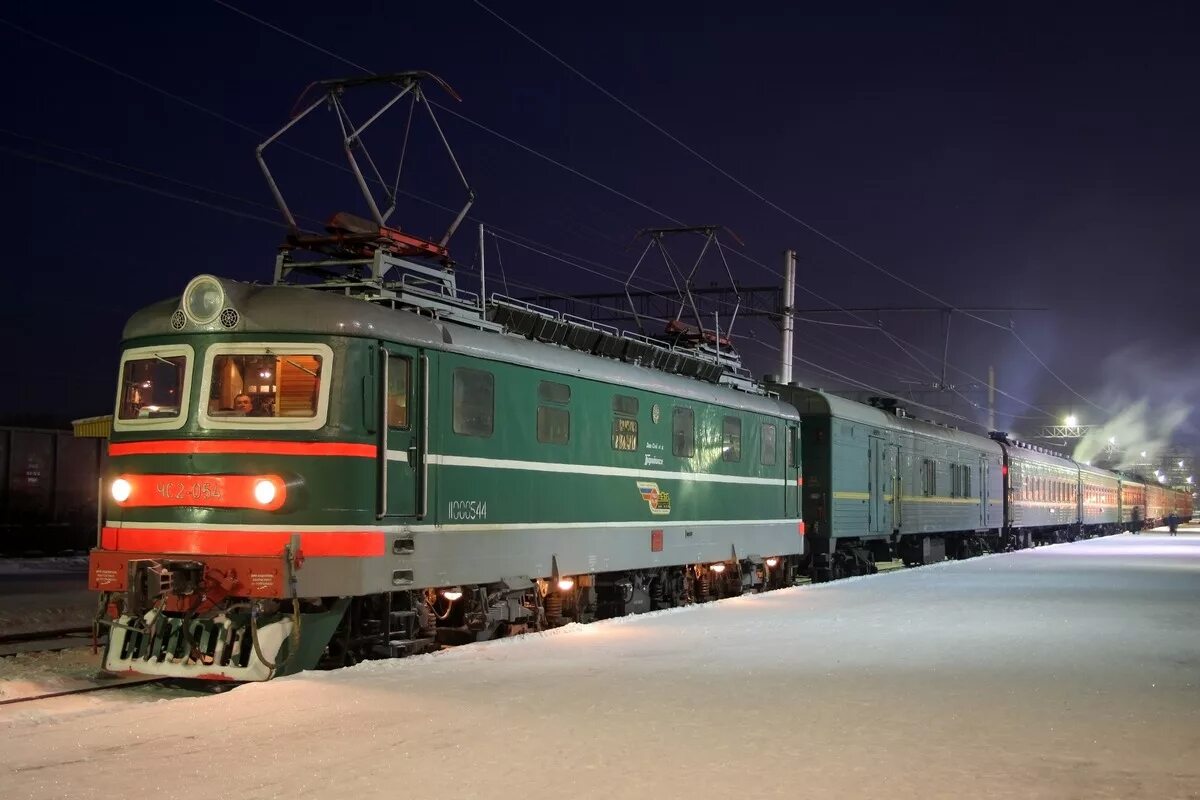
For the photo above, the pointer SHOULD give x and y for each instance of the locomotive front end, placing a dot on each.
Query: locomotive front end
(231, 523)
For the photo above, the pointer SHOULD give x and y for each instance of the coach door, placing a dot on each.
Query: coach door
(983, 493)
(881, 490)
(404, 433)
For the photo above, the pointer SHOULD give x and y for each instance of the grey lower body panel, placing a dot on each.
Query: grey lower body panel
(430, 557)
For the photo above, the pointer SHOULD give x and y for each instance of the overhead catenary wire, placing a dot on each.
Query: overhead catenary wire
(257, 133)
(279, 224)
(594, 181)
(759, 196)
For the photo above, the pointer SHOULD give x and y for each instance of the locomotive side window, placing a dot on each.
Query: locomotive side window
(731, 439)
(553, 425)
(266, 385)
(553, 422)
(625, 424)
(398, 376)
(683, 432)
(767, 455)
(153, 387)
(792, 449)
(551, 392)
(474, 402)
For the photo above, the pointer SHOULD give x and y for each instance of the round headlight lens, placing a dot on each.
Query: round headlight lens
(203, 299)
(121, 489)
(264, 492)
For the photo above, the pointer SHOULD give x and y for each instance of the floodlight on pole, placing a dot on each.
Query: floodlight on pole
(1071, 421)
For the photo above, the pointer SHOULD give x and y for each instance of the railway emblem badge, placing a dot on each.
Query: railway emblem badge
(655, 413)
(658, 500)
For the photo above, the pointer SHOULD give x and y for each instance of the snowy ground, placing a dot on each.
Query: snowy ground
(1061, 672)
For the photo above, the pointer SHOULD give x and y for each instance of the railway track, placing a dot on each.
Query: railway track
(125, 684)
(45, 641)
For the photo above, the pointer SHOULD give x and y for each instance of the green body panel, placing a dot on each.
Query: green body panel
(509, 478)
(551, 489)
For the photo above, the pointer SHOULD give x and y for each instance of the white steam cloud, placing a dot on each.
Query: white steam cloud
(1136, 428)
(1149, 391)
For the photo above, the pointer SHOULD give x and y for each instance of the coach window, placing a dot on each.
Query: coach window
(553, 418)
(767, 456)
(928, 477)
(625, 424)
(397, 409)
(966, 480)
(683, 432)
(731, 439)
(266, 385)
(474, 402)
(153, 388)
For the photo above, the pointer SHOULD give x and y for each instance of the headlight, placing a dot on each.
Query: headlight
(203, 299)
(121, 489)
(264, 492)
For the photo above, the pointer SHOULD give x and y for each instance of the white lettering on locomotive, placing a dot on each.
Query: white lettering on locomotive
(466, 509)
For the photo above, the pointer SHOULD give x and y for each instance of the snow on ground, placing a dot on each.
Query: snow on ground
(38, 594)
(1065, 671)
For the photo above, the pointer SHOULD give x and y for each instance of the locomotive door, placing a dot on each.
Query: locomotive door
(403, 432)
(791, 492)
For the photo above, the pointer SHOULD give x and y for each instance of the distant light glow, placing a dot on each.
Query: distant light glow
(566, 584)
(1071, 421)
(772, 561)
(718, 568)
(452, 594)
(1143, 454)
(1112, 440)
(1181, 465)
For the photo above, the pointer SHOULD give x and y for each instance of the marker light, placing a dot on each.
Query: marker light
(772, 561)
(264, 492)
(452, 594)
(121, 489)
(718, 568)
(203, 299)
(566, 584)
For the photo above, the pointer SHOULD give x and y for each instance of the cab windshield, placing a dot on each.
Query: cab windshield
(152, 387)
(252, 385)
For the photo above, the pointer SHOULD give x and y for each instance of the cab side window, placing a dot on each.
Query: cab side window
(397, 395)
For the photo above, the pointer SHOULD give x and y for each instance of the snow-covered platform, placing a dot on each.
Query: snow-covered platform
(1066, 671)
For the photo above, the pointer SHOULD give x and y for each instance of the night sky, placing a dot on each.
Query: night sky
(1040, 155)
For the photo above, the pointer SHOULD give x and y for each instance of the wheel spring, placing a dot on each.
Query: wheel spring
(553, 606)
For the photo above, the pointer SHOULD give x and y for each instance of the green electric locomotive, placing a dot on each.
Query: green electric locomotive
(312, 475)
